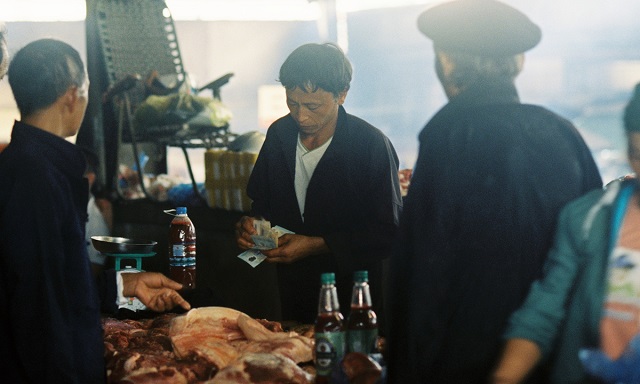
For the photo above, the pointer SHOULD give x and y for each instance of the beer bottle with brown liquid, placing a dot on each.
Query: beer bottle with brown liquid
(329, 330)
(182, 250)
(362, 323)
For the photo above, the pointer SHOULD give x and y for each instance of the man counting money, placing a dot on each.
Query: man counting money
(329, 177)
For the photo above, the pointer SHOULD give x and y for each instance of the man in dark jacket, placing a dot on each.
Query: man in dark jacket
(329, 177)
(490, 179)
(50, 330)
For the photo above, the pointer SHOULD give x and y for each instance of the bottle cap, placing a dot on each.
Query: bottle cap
(361, 276)
(328, 278)
(181, 210)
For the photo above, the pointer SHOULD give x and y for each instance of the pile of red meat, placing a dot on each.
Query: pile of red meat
(211, 345)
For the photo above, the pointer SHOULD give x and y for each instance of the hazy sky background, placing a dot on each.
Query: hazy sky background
(584, 68)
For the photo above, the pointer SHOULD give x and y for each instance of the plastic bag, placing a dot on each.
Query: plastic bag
(180, 108)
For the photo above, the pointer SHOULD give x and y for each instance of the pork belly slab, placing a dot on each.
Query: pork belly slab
(262, 340)
(219, 334)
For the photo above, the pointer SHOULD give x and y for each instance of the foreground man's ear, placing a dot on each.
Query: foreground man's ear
(445, 65)
(4, 52)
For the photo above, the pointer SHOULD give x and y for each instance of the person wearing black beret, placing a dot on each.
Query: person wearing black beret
(491, 176)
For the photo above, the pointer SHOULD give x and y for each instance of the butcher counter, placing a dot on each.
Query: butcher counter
(222, 278)
(218, 345)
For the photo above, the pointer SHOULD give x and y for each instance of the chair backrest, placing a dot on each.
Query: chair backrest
(125, 38)
(136, 37)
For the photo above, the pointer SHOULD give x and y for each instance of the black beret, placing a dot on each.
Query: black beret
(481, 27)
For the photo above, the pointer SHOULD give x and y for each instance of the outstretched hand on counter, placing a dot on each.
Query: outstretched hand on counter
(156, 291)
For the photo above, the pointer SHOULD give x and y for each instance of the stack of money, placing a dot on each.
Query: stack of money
(265, 237)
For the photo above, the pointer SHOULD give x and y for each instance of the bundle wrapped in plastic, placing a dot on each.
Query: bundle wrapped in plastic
(180, 108)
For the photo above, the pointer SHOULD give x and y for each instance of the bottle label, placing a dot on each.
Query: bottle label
(183, 255)
(178, 250)
(330, 349)
(362, 340)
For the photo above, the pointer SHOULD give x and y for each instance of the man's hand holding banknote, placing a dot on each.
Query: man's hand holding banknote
(273, 244)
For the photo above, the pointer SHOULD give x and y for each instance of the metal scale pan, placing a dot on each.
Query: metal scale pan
(122, 248)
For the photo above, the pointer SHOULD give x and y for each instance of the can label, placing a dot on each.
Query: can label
(362, 340)
(330, 349)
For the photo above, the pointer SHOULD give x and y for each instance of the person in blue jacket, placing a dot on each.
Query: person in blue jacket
(50, 326)
(583, 316)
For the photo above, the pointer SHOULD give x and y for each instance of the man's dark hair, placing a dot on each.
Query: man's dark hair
(43, 71)
(313, 66)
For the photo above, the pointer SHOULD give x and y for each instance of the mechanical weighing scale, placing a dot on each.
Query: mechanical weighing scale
(121, 248)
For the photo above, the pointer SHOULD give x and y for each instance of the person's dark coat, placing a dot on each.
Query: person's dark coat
(491, 177)
(353, 201)
(50, 330)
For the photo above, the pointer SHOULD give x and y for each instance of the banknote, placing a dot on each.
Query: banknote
(253, 257)
(281, 231)
(265, 238)
(264, 242)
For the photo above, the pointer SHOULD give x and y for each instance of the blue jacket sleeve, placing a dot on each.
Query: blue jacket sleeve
(541, 316)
